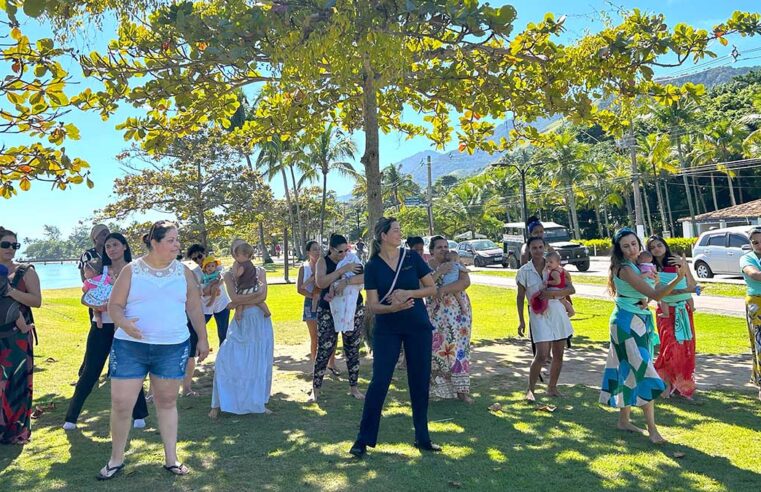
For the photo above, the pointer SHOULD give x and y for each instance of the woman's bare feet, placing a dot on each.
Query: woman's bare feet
(214, 414)
(267, 411)
(530, 396)
(356, 393)
(314, 396)
(465, 398)
(553, 392)
(655, 437)
(629, 427)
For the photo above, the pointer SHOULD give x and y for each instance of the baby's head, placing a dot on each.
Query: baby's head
(645, 257)
(243, 252)
(553, 259)
(92, 268)
(210, 265)
(453, 256)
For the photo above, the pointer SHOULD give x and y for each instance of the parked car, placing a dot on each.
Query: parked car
(558, 236)
(480, 252)
(719, 251)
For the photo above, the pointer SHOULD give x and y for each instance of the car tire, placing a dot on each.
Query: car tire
(702, 270)
(583, 266)
(477, 262)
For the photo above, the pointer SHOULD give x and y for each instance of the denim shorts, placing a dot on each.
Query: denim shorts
(308, 315)
(134, 360)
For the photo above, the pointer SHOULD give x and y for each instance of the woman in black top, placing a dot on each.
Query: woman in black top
(400, 318)
(327, 337)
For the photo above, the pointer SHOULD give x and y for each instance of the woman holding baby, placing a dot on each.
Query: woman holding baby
(452, 318)
(339, 277)
(676, 359)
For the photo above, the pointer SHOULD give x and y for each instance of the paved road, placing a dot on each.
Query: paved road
(728, 306)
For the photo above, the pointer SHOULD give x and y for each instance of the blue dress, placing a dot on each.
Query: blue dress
(243, 370)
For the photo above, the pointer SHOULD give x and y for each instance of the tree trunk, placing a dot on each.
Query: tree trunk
(698, 194)
(322, 206)
(200, 207)
(629, 209)
(649, 217)
(713, 193)
(665, 226)
(668, 206)
(572, 206)
(607, 221)
(371, 157)
(731, 190)
(739, 187)
(685, 179)
(599, 221)
(298, 243)
(288, 199)
(262, 244)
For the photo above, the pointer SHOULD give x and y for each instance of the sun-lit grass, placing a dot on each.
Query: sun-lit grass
(303, 447)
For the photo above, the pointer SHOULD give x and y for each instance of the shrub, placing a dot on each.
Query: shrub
(678, 245)
(597, 247)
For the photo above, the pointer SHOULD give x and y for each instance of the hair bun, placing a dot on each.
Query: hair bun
(146, 240)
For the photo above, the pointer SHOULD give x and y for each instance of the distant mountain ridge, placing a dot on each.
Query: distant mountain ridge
(462, 164)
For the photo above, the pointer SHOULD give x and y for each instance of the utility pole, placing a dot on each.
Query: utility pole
(638, 217)
(524, 205)
(430, 199)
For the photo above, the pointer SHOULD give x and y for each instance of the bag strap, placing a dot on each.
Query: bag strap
(398, 269)
(19, 274)
(103, 276)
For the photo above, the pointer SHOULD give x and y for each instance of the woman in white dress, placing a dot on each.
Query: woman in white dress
(549, 329)
(243, 370)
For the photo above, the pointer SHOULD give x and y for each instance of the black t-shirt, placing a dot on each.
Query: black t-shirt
(330, 267)
(379, 276)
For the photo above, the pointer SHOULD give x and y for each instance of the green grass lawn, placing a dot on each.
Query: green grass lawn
(303, 447)
(708, 289)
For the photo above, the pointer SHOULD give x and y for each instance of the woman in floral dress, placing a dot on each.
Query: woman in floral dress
(450, 371)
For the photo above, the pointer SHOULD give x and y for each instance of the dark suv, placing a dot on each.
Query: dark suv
(556, 235)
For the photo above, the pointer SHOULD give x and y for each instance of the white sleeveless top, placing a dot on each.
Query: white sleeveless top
(157, 298)
(307, 274)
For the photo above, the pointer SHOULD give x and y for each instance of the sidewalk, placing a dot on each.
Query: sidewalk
(728, 306)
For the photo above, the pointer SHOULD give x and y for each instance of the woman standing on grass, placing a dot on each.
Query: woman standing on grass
(243, 369)
(305, 286)
(630, 379)
(116, 255)
(549, 329)
(148, 304)
(16, 347)
(393, 278)
(676, 358)
(452, 320)
(750, 264)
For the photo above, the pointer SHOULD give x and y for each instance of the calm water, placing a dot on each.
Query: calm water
(57, 275)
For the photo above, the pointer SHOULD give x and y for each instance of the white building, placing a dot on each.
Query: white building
(748, 213)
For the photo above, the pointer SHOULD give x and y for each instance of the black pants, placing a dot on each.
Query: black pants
(327, 339)
(386, 346)
(99, 342)
(222, 319)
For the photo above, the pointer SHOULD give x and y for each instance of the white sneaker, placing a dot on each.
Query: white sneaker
(139, 424)
(68, 426)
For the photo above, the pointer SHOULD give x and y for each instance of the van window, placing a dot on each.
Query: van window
(718, 240)
(737, 241)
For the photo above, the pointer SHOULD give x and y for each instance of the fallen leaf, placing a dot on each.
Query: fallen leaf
(51, 359)
(545, 408)
(495, 407)
(455, 485)
(678, 454)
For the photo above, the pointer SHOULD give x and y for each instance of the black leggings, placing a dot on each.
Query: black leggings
(327, 339)
(99, 342)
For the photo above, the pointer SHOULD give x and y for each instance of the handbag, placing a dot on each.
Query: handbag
(369, 321)
(102, 291)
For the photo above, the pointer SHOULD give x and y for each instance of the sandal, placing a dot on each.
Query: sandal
(335, 371)
(180, 469)
(191, 394)
(109, 469)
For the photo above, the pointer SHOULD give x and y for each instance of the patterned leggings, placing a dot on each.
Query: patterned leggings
(327, 338)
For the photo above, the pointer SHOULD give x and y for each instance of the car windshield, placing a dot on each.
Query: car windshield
(483, 245)
(557, 234)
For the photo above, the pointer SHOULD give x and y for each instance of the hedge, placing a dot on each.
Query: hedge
(678, 245)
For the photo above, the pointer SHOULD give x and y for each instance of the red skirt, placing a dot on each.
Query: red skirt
(676, 361)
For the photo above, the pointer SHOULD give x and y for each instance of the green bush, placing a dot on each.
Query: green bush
(678, 245)
(598, 247)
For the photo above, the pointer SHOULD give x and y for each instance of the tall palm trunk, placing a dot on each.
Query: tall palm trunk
(572, 206)
(288, 202)
(262, 244)
(298, 243)
(629, 209)
(731, 189)
(649, 218)
(713, 193)
(687, 191)
(599, 220)
(607, 221)
(668, 205)
(665, 226)
(698, 194)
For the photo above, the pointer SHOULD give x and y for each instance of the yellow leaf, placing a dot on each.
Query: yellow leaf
(25, 184)
(16, 33)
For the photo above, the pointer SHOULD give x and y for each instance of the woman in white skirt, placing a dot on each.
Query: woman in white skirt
(243, 369)
(552, 327)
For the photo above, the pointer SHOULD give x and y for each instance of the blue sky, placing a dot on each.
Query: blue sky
(27, 212)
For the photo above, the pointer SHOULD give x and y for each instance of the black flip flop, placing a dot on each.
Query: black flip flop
(175, 468)
(115, 469)
(335, 371)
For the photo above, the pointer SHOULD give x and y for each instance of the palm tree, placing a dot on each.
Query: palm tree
(566, 153)
(725, 139)
(655, 156)
(329, 152)
(470, 204)
(396, 186)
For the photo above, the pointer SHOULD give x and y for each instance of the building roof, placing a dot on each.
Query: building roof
(747, 210)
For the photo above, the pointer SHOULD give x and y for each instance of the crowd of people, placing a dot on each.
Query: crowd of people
(148, 317)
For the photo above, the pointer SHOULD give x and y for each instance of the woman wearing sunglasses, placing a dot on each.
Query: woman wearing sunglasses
(16, 347)
(750, 264)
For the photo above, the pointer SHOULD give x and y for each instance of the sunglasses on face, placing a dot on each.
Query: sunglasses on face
(8, 244)
(197, 257)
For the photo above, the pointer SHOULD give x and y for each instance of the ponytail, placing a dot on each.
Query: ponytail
(381, 227)
(375, 247)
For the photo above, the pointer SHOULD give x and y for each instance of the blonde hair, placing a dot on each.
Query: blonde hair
(244, 249)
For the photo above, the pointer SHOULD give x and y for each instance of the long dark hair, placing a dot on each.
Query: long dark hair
(105, 259)
(658, 264)
(617, 258)
(381, 227)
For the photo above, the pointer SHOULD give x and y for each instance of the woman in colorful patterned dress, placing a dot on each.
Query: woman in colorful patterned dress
(630, 379)
(676, 359)
(750, 264)
(16, 347)
(450, 371)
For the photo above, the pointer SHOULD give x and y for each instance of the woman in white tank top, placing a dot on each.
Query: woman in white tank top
(148, 304)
